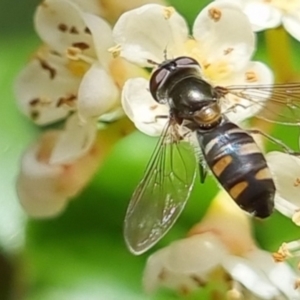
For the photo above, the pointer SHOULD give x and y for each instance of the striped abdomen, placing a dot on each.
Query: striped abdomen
(240, 167)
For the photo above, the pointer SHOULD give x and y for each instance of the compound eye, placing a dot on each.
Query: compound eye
(156, 80)
(185, 61)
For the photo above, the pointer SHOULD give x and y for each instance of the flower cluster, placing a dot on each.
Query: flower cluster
(222, 240)
(71, 76)
(87, 72)
(222, 49)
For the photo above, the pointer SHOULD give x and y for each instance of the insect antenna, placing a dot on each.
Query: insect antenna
(166, 53)
(152, 62)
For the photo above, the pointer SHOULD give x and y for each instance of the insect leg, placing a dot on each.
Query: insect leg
(274, 141)
(202, 172)
(162, 117)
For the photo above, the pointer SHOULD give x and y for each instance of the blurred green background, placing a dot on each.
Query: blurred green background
(81, 254)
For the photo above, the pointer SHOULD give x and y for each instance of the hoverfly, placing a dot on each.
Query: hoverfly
(228, 151)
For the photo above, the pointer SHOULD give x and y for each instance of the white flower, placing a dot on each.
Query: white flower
(47, 88)
(222, 240)
(222, 49)
(72, 74)
(45, 184)
(270, 14)
(285, 169)
(111, 10)
(74, 71)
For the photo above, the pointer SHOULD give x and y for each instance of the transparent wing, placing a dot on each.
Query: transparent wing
(282, 107)
(163, 192)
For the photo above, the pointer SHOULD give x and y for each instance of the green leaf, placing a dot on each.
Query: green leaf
(16, 132)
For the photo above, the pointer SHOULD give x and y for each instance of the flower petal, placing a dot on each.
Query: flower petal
(185, 264)
(250, 276)
(44, 201)
(122, 70)
(102, 37)
(280, 274)
(146, 32)
(113, 115)
(228, 222)
(97, 93)
(45, 89)
(141, 108)
(262, 15)
(112, 10)
(90, 6)
(153, 269)
(292, 24)
(75, 141)
(60, 25)
(56, 183)
(197, 254)
(285, 169)
(219, 37)
(254, 73)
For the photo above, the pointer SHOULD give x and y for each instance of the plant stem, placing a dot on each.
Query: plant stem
(279, 53)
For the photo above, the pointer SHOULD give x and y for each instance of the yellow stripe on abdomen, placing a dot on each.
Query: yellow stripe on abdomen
(238, 188)
(221, 165)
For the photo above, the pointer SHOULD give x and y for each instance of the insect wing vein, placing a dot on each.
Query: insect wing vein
(163, 192)
(282, 105)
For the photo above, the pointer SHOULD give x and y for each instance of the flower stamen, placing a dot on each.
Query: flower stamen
(251, 76)
(297, 284)
(297, 182)
(235, 293)
(288, 209)
(228, 50)
(115, 50)
(284, 251)
(215, 14)
(168, 12)
(69, 101)
(287, 250)
(75, 54)
(296, 217)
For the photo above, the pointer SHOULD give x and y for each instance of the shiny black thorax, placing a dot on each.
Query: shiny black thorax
(182, 88)
(187, 93)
